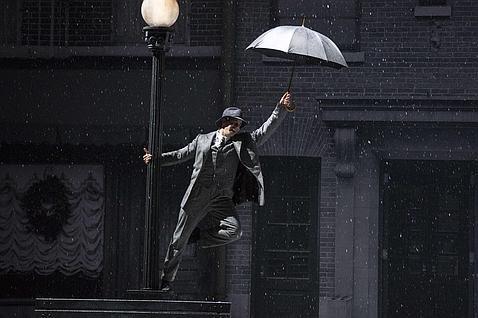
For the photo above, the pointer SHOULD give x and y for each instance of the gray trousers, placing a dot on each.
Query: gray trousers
(223, 226)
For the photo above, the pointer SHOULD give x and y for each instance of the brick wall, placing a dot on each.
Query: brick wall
(206, 22)
(402, 60)
(238, 261)
(239, 265)
(328, 200)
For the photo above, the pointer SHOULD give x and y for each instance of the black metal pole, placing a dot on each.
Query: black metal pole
(158, 39)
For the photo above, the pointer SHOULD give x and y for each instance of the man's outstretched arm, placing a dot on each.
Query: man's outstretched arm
(263, 133)
(174, 157)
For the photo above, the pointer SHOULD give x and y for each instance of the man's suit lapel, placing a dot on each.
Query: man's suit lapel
(237, 145)
(204, 144)
(208, 141)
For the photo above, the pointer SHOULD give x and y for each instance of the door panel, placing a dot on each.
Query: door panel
(285, 250)
(426, 238)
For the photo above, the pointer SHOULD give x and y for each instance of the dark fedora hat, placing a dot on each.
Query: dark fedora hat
(231, 112)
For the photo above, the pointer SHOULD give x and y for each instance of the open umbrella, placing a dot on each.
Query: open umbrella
(299, 44)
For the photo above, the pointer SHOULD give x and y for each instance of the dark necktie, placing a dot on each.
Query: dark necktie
(220, 142)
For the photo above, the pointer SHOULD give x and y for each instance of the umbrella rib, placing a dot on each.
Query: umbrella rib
(319, 41)
(333, 48)
(290, 41)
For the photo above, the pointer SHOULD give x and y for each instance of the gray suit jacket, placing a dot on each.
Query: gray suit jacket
(245, 143)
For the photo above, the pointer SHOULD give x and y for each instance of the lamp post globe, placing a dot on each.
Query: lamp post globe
(160, 13)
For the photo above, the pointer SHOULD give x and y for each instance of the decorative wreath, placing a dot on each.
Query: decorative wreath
(47, 207)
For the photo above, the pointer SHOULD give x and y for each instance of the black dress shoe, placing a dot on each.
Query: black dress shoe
(165, 286)
(195, 236)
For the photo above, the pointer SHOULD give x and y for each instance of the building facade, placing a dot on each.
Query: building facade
(370, 184)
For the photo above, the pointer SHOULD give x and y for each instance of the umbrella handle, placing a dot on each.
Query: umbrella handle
(291, 107)
(291, 77)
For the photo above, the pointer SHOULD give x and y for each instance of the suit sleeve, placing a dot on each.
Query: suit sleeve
(181, 155)
(263, 133)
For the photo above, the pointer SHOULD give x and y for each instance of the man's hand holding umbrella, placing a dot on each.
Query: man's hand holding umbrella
(286, 102)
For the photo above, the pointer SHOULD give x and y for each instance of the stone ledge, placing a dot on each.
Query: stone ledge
(103, 308)
(335, 307)
(389, 116)
(433, 11)
(33, 52)
(337, 111)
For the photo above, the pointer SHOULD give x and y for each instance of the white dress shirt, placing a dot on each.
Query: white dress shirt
(220, 139)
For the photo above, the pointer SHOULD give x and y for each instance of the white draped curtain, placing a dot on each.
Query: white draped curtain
(79, 246)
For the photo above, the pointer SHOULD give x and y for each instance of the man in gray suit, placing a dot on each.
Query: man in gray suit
(226, 172)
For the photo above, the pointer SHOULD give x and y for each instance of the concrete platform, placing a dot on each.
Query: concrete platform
(131, 308)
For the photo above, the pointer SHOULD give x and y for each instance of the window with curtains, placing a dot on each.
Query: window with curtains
(66, 22)
(336, 19)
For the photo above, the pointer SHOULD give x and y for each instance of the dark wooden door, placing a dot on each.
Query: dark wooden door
(426, 239)
(286, 265)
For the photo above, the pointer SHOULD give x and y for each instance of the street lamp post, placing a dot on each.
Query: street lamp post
(160, 15)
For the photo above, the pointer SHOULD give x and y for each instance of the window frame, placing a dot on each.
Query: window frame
(51, 33)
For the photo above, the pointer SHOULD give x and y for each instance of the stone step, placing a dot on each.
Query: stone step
(131, 308)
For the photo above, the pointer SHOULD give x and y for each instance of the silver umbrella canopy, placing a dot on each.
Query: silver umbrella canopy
(299, 44)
